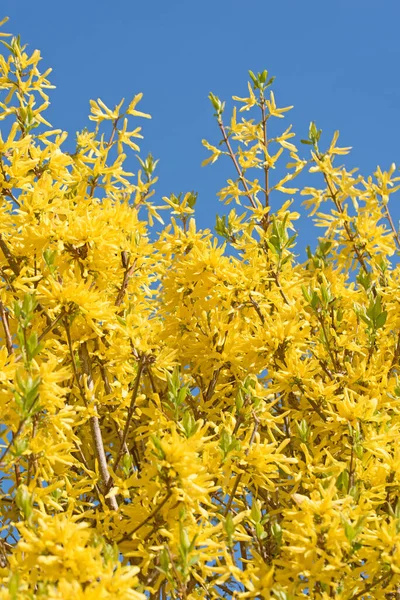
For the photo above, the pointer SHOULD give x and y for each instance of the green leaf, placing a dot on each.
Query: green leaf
(255, 512)
(164, 561)
(13, 584)
(276, 531)
(381, 320)
(229, 525)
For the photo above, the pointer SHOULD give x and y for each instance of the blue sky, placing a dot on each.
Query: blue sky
(336, 62)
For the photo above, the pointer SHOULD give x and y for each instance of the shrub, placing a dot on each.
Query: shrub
(185, 416)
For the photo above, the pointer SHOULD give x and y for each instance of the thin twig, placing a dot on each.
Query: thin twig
(266, 167)
(339, 207)
(127, 275)
(278, 283)
(13, 440)
(130, 412)
(213, 384)
(108, 390)
(8, 255)
(257, 309)
(393, 228)
(373, 584)
(7, 333)
(149, 517)
(75, 370)
(51, 325)
(95, 427)
(83, 458)
(235, 162)
(239, 475)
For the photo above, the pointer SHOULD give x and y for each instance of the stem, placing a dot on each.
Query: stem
(212, 385)
(114, 129)
(127, 275)
(8, 255)
(239, 475)
(149, 517)
(339, 207)
(278, 283)
(4, 318)
(75, 370)
(235, 162)
(51, 325)
(351, 468)
(265, 139)
(257, 309)
(108, 391)
(13, 439)
(7, 191)
(130, 413)
(393, 228)
(373, 584)
(328, 346)
(95, 427)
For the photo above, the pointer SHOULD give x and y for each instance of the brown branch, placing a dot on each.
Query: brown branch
(278, 283)
(7, 333)
(84, 461)
(95, 428)
(17, 472)
(316, 408)
(12, 441)
(257, 309)
(149, 517)
(95, 180)
(339, 207)
(75, 370)
(9, 256)
(52, 324)
(127, 275)
(373, 584)
(214, 380)
(235, 162)
(328, 346)
(130, 412)
(239, 475)
(213, 384)
(392, 226)
(266, 167)
(108, 391)
(7, 191)
(396, 356)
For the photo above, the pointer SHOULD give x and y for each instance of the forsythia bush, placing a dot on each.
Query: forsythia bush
(185, 416)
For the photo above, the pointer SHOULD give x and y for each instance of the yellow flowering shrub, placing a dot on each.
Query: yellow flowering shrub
(187, 415)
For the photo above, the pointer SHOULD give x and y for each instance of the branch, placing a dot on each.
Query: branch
(10, 444)
(149, 517)
(8, 255)
(266, 167)
(108, 391)
(7, 333)
(373, 584)
(130, 413)
(95, 427)
(278, 283)
(235, 162)
(339, 207)
(52, 324)
(239, 475)
(257, 309)
(393, 228)
(127, 275)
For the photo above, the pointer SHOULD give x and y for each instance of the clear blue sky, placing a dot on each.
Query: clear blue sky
(336, 62)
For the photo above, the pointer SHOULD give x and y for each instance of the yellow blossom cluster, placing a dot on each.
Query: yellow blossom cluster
(185, 414)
